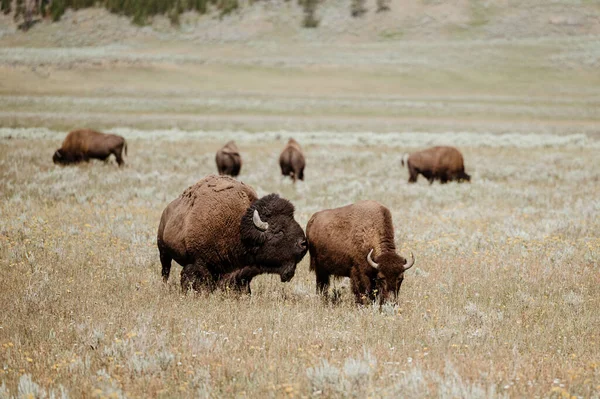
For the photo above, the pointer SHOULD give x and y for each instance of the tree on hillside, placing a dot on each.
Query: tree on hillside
(357, 8)
(310, 8)
(26, 10)
(383, 5)
(5, 6)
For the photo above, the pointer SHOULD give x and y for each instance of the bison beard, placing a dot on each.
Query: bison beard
(199, 231)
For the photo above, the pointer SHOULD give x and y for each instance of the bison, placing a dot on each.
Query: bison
(292, 161)
(356, 241)
(229, 161)
(223, 234)
(85, 144)
(442, 163)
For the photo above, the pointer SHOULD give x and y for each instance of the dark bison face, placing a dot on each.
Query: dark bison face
(58, 157)
(390, 273)
(464, 177)
(272, 236)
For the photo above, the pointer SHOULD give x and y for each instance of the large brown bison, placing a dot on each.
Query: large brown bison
(85, 144)
(222, 233)
(292, 161)
(356, 241)
(442, 163)
(229, 161)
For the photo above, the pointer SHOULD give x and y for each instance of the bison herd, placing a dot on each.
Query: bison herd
(223, 235)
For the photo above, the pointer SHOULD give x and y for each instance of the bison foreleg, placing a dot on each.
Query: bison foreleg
(240, 280)
(361, 286)
(195, 276)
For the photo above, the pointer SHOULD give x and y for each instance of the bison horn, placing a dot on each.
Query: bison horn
(58, 154)
(412, 262)
(375, 265)
(263, 226)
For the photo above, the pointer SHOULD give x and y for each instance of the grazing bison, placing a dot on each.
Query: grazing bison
(442, 163)
(223, 234)
(229, 161)
(292, 161)
(356, 241)
(85, 144)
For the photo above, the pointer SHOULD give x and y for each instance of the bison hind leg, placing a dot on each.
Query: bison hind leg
(322, 283)
(285, 170)
(118, 155)
(165, 261)
(413, 174)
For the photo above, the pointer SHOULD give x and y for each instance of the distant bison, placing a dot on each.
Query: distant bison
(229, 161)
(85, 144)
(356, 241)
(292, 161)
(441, 163)
(222, 234)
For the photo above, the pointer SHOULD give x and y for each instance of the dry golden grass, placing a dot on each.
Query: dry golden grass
(503, 300)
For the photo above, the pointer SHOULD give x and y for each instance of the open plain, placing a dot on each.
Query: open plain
(502, 302)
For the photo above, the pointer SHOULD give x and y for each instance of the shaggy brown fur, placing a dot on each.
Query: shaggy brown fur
(339, 241)
(292, 161)
(85, 144)
(229, 161)
(210, 230)
(441, 163)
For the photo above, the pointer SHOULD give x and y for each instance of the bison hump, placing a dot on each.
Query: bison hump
(205, 220)
(220, 185)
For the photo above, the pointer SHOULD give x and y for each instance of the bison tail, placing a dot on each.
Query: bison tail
(404, 159)
(125, 146)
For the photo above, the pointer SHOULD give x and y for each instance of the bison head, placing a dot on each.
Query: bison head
(390, 272)
(272, 237)
(464, 177)
(59, 156)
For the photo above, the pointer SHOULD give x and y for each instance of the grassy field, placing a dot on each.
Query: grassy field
(528, 85)
(503, 300)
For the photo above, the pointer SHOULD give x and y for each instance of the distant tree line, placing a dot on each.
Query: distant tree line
(357, 9)
(30, 11)
(140, 11)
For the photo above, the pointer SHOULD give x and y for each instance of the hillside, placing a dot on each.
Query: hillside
(503, 66)
(269, 20)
